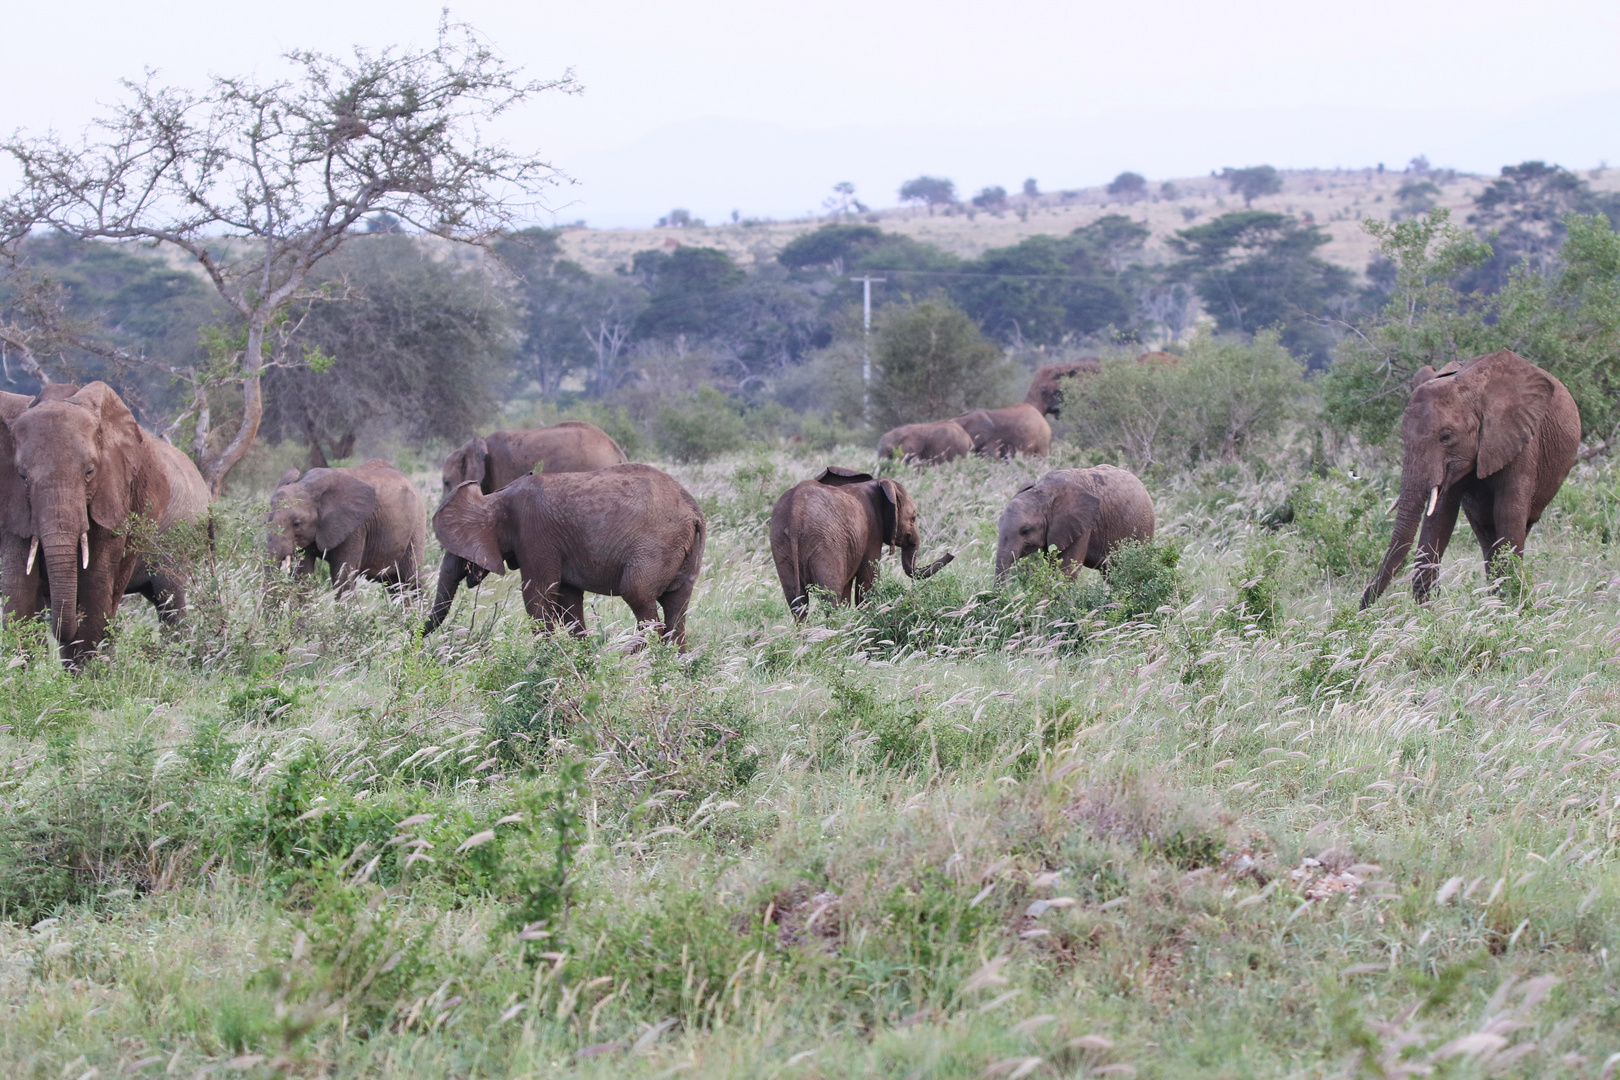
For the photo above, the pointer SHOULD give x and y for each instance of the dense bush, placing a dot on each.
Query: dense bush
(1214, 401)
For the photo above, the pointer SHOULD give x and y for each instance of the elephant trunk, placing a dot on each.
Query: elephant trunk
(1415, 503)
(452, 570)
(61, 554)
(934, 567)
(908, 560)
(1005, 555)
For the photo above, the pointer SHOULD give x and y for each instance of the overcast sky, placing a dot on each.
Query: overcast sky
(760, 107)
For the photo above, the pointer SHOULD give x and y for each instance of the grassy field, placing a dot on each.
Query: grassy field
(1204, 820)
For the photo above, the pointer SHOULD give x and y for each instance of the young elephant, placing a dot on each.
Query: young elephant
(1493, 437)
(927, 444)
(831, 531)
(1084, 513)
(366, 521)
(629, 531)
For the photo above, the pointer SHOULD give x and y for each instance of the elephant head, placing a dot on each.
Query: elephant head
(79, 459)
(1045, 514)
(1046, 390)
(318, 512)
(468, 525)
(468, 462)
(1468, 419)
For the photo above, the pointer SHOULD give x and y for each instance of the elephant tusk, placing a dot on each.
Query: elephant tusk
(1393, 506)
(1434, 497)
(33, 549)
(84, 551)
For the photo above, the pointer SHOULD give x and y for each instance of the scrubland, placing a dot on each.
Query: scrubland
(1202, 820)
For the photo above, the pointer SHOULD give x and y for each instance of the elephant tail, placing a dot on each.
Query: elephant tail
(694, 553)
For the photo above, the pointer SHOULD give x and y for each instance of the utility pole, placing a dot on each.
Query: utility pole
(866, 281)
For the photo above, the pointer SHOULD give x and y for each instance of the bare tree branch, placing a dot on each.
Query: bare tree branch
(260, 182)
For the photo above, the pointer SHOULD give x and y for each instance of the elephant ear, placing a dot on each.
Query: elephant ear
(129, 478)
(1074, 514)
(1420, 376)
(343, 502)
(838, 476)
(14, 516)
(1512, 396)
(465, 526)
(890, 506)
(289, 477)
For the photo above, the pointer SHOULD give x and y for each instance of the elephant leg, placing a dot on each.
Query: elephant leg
(571, 608)
(675, 601)
(865, 577)
(1079, 554)
(347, 561)
(22, 589)
(1432, 542)
(642, 594)
(101, 587)
(166, 591)
(1510, 510)
(1477, 507)
(542, 580)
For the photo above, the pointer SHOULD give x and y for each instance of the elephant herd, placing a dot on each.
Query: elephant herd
(87, 492)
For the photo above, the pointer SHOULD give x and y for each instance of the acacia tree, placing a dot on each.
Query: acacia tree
(259, 182)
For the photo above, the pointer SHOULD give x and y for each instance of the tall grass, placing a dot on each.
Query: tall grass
(1201, 819)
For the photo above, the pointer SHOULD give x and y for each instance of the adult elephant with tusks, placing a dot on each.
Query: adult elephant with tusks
(629, 531)
(1084, 513)
(367, 521)
(1494, 437)
(82, 487)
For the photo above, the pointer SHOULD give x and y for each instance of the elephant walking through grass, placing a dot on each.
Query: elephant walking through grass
(367, 521)
(629, 531)
(831, 531)
(1493, 437)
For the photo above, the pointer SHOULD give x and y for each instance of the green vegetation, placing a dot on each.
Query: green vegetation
(1197, 818)
(930, 362)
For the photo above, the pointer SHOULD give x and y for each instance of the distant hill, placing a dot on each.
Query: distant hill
(1337, 199)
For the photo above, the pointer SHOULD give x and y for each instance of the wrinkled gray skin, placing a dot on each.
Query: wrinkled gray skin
(1494, 437)
(831, 532)
(927, 444)
(1084, 513)
(367, 521)
(495, 460)
(81, 477)
(629, 531)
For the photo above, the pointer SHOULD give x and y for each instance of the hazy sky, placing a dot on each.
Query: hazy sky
(761, 108)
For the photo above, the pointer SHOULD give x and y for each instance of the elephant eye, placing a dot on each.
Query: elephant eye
(1445, 436)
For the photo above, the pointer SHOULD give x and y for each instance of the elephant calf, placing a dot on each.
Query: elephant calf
(628, 530)
(928, 444)
(1084, 513)
(366, 521)
(831, 531)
